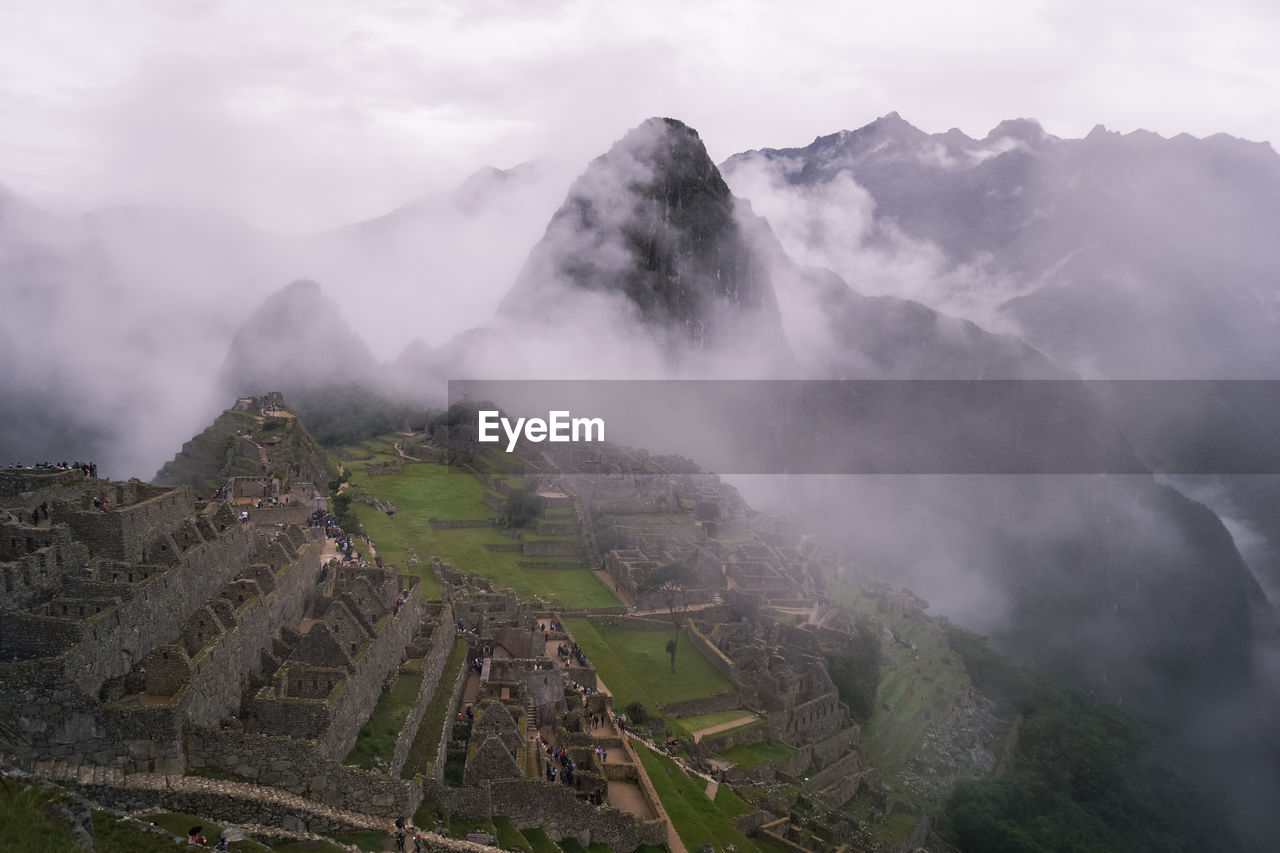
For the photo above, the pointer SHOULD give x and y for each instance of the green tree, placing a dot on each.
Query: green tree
(521, 508)
(672, 581)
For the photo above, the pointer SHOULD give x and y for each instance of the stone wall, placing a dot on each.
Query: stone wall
(446, 732)
(553, 549)
(297, 766)
(158, 610)
(16, 481)
(504, 548)
(223, 806)
(548, 564)
(610, 610)
(57, 706)
(444, 524)
(556, 808)
(354, 703)
(125, 529)
(219, 669)
(841, 791)
(817, 718)
(833, 747)
(751, 733)
(843, 768)
(293, 514)
(555, 528)
(706, 705)
(442, 639)
(718, 658)
(645, 623)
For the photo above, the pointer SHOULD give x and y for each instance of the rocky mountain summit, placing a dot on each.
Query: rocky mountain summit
(652, 221)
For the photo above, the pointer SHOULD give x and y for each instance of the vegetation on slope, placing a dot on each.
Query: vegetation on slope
(235, 444)
(377, 737)
(1083, 776)
(697, 818)
(426, 744)
(421, 491)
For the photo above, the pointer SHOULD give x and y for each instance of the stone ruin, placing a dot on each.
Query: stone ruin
(261, 404)
(122, 627)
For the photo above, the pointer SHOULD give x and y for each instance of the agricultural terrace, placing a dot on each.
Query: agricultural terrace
(635, 667)
(421, 491)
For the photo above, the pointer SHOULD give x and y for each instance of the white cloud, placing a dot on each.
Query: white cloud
(302, 114)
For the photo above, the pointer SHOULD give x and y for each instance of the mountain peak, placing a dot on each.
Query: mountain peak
(296, 339)
(651, 227)
(299, 289)
(1025, 129)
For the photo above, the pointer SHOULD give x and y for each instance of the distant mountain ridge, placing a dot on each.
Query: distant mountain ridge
(1136, 256)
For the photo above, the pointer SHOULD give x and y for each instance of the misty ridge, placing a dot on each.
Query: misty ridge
(879, 253)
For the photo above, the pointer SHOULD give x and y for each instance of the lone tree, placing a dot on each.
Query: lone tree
(521, 508)
(673, 581)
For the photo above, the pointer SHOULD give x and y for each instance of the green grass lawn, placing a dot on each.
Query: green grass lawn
(706, 721)
(422, 753)
(352, 456)
(377, 737)
(753, 754)
(423, 491)
(697, 818)
(540, 841)
(363, 840)
(460, 827)
(509, 838)
(306, 847)
(26, 825)
(635, 666)
(178, 824)
(684, 727)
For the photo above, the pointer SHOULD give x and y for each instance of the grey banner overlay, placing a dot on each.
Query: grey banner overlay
(917, 426)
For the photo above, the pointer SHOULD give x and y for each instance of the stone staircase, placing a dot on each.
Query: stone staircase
(530, 718)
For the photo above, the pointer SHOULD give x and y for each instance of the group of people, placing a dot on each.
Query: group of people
(565, 770)
(89, 469)
(594, 720)
(402, 833)
(219, 494)
(395, 608)
(343, 541)
(569, 652)
(195, 836)
(38, 512)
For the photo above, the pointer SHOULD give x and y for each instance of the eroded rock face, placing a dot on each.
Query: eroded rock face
(652, 223)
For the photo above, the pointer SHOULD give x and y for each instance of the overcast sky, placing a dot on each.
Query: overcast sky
(298, 115)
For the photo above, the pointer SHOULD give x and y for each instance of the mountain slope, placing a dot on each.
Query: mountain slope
(1120, 255)
(296, 341)
(652, 223)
